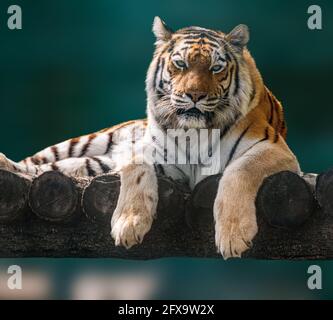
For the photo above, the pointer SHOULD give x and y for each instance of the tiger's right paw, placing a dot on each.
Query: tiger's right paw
(129, 229)
(136, 207)
(133, 217)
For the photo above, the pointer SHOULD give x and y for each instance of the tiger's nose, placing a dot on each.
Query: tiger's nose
(195, 96)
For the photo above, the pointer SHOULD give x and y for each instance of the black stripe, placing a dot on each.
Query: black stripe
(211, 99)
(209, 115)
(228, 57)
(156, 71)
(190, 42)
(211, 104)
(276, 136)
(262, 140)
(234, 148)
(283, 125)
(236, 73)
(160, 93)
(104, 167)
(35, 160)
(54, 167)
(230, 72)
(161, 86)
(202, 36)
(180, 101)
(199, 31)
(55, 152)
(176, 54)
(236, 78)
(171, 46)
(90, 170)
(109, 145)
(228, 126)
(227, 74)
(72, 144)
(87, 145)
(266, 137)
(266, 134)
(159, 170)
(44, 160)
(271, 117)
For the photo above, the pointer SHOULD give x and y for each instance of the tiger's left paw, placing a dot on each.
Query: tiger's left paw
(234, 231)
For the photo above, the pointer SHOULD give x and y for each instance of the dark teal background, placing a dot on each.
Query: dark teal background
(78, 66)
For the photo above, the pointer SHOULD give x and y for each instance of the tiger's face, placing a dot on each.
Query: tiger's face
(198, 77)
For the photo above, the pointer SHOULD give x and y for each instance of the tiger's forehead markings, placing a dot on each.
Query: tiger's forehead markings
(203, 36)
(202, 42)
(197, 33)
(185, 48)
(199, 56)
(193, 37)
(189, 49)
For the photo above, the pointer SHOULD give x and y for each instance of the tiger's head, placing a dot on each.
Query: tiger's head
(200, 78)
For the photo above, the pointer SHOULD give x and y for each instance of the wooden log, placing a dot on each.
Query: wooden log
(308, 235)
(304, 234)
(14, 191)
(84, 238)
(100, 198)
(199, 209)
(101, 195)
(54, 197)
(285, 200)
(324, 191)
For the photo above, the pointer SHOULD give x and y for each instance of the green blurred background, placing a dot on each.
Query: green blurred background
(78, 66)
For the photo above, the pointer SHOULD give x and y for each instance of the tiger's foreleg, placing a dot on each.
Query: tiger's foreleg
(136, 206)
(234, 207)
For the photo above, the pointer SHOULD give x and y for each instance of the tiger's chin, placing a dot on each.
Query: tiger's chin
(192, 122)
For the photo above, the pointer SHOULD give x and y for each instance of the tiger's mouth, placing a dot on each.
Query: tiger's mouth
(192, 112)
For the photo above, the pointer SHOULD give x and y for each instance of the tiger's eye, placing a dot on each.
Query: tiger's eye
(217, 68)
(180, 64)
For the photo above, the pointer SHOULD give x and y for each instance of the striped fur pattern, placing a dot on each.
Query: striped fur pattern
(198, 64)
(198, 79)
(89, 155)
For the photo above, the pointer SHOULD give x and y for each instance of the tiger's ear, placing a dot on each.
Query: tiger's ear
(161, 31)
(239, 36)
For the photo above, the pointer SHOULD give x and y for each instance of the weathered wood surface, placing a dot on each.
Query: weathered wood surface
(58, 216)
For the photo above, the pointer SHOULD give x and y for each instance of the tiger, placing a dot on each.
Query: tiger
(198, 79)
